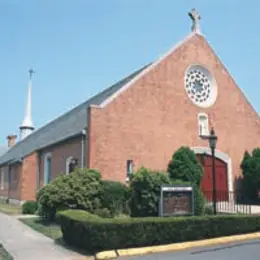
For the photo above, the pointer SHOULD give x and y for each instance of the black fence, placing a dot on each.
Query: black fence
(230, 202)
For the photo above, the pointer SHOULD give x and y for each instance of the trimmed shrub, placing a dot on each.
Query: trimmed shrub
(93, 234)
(185, 166)
(29, 207)
(79, 190)
(114, 198)
(145, 187)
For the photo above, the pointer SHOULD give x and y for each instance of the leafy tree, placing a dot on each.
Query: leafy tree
(250, 167)
(185, 166)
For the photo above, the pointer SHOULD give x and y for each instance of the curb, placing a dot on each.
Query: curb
(113, 254)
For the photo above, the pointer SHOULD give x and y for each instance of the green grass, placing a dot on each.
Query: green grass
(4, 255)
(10, 209)
(40, 225)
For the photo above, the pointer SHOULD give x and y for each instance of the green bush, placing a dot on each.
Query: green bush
(29, 207)
(145, 187)
(114, 198)
(93, 234)
(185, 166)
(79, 190)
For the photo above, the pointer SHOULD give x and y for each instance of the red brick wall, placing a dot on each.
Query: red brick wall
(29, 176)
(25, 176)
(154, 117)
(13, 190)
(59, 154)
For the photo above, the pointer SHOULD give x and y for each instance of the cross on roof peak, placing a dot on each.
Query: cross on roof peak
(195, 17)
(31, 71)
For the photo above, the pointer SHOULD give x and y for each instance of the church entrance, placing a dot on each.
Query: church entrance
(207, 179)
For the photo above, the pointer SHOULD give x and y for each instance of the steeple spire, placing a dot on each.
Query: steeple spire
(27, 126)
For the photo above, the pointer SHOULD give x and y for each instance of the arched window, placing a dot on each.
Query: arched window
(203, 124)
(2, 180)
(71, 164)
(47, 168)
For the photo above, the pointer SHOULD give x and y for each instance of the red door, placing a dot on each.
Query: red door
(207, 179)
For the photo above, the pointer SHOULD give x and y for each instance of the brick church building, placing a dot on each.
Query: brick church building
(141, 121)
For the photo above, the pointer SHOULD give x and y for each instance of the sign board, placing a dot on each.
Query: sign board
(176, 200)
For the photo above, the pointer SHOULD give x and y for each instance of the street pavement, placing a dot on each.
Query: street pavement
(236, 251)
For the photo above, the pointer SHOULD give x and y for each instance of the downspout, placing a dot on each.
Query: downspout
(38, 171)
(83, 136)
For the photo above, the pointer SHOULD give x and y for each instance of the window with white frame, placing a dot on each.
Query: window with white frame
(129, 168)
(2, 179)
(71, 164)
(47, 168)
(203, 123)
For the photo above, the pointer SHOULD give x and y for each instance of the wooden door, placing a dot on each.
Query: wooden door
(207, 179)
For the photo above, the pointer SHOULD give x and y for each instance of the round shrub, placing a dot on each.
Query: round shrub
(145, 187)
(185, 166)
(114, 197)
(79, 190)
(29, 207)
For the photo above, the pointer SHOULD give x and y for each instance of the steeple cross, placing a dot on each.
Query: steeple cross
(31, 72)
(195, 17)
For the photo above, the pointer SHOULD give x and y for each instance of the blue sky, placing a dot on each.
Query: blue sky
(80, 47)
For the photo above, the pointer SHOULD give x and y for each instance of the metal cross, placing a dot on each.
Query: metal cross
(195, 17)
(31, 72)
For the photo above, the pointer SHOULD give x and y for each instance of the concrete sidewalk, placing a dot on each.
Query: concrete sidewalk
(23, 243)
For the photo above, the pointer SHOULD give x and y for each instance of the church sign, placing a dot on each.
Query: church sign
(176, 200)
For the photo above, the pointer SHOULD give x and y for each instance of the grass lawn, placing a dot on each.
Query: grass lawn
(48, 229)
(4, 255)
(10, 209)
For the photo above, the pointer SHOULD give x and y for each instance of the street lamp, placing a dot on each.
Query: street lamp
(212, 144)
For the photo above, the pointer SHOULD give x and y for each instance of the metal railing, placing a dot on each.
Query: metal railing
(229, 202)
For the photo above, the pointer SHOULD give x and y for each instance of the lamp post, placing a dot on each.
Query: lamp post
(212, 144)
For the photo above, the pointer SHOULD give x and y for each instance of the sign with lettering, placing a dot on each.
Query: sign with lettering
(176, 200)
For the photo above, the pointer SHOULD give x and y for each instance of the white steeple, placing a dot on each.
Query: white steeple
(27, 126)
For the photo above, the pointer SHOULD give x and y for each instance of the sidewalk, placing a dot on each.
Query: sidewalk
(24, 243)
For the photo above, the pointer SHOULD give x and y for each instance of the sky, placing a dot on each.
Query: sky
(80, 47)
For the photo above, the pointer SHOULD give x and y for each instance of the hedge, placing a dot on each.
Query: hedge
(91, 233)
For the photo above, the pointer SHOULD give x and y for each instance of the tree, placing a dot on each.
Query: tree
(250, 167)
(185, 166)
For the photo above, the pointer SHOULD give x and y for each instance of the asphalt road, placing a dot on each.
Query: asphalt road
(237, 251)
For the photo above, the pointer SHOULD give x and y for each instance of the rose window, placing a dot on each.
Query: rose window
(200, 86)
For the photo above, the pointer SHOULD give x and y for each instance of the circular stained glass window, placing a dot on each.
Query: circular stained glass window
(200, 86)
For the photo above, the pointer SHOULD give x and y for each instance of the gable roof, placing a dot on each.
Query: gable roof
(66, 126)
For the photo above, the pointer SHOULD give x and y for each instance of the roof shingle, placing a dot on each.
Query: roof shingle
(68, 125)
